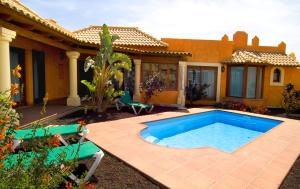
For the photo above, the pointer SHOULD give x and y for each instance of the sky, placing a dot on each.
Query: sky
(272, 21)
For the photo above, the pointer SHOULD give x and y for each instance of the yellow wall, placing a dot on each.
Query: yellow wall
(272, 94)
(56, 69)
(216, 51)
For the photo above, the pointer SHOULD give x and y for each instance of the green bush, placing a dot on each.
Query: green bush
(30, 170)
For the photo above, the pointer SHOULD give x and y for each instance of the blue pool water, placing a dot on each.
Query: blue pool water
(218, 129)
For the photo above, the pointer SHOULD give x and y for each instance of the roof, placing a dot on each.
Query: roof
(128, 36)
(264, 58)
(18, 7)
(147, 52)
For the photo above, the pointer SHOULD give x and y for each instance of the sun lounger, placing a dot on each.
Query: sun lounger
(137, 107)
(86, 150)
(58, 130)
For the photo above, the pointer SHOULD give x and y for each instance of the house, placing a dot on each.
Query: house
(236, 71)
(52, 59)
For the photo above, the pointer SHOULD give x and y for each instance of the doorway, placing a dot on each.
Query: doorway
(17, 57)
(198, 76)
(38, 63)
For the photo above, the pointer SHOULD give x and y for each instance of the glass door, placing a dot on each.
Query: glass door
(38, 63)
(17, 57)
(203, 77)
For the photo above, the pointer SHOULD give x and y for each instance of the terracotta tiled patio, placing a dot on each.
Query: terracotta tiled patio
(263, 163)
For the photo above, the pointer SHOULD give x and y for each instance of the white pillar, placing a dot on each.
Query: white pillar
(6, 36)
(73, 99)
(182, 73)
(137, 79)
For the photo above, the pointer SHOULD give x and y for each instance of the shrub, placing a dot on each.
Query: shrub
(240, 106)
(195, 92)
(290, 97)
(152, 87)
(30, 170)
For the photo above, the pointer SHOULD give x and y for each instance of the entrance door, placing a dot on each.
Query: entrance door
(38, 63)
(17, 57)
(82, 89)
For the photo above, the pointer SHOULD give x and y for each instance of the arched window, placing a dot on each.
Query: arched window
(276, 75)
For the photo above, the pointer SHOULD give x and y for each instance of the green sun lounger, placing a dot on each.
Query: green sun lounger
(59, 130)
(126, 100)
(86, 150)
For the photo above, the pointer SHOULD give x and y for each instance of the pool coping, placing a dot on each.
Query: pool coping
(262, 163)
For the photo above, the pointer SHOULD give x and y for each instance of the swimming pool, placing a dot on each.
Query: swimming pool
(225, 131)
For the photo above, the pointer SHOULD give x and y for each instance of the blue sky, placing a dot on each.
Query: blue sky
(272, 21)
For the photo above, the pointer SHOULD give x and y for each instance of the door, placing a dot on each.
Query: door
(17, 57)
(82, 89)
(38, 63)
(200, 76)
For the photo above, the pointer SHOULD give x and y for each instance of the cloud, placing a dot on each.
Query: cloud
(272, 20)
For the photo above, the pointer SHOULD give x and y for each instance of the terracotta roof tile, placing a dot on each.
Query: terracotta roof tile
(148, 52)
(128, 36)
(17, 6)
(266, 58)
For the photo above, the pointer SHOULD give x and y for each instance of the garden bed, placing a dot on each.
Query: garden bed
(114, 173)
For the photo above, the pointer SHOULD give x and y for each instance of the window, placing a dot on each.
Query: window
(245, 81)
(167, 73)
(276, 75)
(198, 76)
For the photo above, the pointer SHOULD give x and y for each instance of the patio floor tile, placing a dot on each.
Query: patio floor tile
(262, 163)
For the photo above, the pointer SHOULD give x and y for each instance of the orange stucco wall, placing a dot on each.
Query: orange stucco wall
(216, 51)
(56, 68)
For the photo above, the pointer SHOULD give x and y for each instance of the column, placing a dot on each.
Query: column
(6, 36)
(137, 79)
(182, 72)
(29, 77)
(73, 99)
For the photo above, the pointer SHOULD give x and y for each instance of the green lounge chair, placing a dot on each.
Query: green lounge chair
(59, 130)
(86, 150)
(126, 100)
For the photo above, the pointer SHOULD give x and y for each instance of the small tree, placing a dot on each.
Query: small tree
(290, 97)
(195, 92)
(107, 65)
(152, 87)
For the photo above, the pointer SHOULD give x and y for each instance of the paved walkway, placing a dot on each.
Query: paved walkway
(33, 113)
(263, 163)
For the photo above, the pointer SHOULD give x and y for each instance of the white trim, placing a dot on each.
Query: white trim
(219, 66)
(281, 83)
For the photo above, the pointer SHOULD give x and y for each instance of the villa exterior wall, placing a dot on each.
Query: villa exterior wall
(216, 51)
(56, 69)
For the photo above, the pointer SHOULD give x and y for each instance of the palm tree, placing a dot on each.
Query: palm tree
(107, 65)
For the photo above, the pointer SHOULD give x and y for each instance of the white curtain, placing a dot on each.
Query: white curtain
(208, 77)
(236, 81)
(251, 82)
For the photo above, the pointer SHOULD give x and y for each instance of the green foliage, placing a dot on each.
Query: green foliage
(107, 65)
(240, 106)
(195, 92)
(152, 86)
(290, 97)
(32, 169)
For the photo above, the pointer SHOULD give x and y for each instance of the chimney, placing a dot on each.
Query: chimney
(255, 41)
(225, 38)
(240, 39)
(282, 47)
